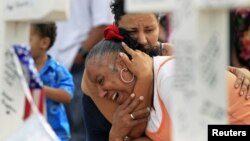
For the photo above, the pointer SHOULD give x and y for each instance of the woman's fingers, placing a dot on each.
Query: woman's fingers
(239, 80)
(245, 86)
(131, 107)
(139, 114)
(167, 49)
(125, 59)
(127, 49)
(138, 121)
(125, 117)
(248, 93)
(238, 74)
(127, 102)
(242, 80)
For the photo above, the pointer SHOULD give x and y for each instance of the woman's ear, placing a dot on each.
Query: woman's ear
(120, 63)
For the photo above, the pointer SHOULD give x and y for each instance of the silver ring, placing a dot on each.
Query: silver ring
(126, 138)
(132, 116)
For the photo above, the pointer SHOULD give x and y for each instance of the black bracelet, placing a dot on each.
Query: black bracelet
(83, 52)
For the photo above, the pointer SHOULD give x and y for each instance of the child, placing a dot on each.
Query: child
(58, 82)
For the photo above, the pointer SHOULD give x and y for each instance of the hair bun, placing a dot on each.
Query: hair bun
(111, 32)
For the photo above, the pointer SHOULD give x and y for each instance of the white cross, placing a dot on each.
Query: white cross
(15, 19)
(201, 45)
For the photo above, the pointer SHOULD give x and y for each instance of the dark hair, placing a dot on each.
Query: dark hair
(46, 30)
(133, 44)
(239, 26)
(117, 8)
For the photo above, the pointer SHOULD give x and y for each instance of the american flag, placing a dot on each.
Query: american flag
(32, 78)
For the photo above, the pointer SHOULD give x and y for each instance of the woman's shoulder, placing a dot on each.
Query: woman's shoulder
(165, 63)
(163, 58)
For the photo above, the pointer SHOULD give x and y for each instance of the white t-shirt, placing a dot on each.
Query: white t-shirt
(159, 124)
(84, 15)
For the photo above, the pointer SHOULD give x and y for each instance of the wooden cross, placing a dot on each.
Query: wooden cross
(15, 19)
(201, 45)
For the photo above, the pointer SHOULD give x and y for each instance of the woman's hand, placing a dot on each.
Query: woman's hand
(242, 81)
(140, 64)
(167, 49)
(125, 118)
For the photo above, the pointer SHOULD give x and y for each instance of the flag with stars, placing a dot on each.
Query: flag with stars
(32, 79)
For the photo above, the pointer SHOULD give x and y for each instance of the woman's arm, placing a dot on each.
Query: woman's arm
(141, 65)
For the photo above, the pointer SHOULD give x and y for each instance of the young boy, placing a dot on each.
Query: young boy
(58, 82)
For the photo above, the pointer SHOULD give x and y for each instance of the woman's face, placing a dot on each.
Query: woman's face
(105, 73)
(142, 27)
